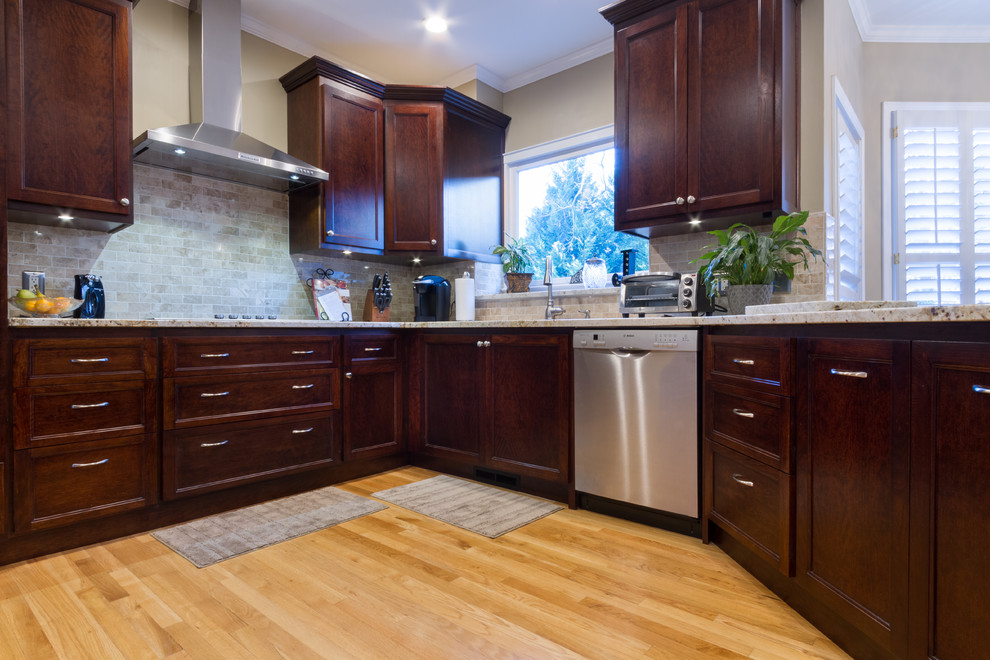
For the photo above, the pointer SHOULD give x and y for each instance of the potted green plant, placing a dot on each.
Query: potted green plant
(517, 263)
(748, 261)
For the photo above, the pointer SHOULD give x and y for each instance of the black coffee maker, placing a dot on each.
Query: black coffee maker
(89, 289)
(431, 298)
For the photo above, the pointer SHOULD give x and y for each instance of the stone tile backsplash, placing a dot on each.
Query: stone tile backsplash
(200, 247)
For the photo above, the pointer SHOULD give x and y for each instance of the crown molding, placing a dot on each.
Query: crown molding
(936, 34)
(586, 54)
(862, 17)
(474, 72)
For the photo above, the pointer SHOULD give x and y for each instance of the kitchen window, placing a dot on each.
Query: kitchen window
(844, 228)
(937, 225)
(560, 199)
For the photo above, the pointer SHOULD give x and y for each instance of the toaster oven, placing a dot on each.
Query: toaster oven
(663, 293)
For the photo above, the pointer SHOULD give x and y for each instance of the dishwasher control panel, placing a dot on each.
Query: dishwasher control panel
(665, 339)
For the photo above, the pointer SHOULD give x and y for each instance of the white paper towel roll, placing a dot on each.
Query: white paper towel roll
(464, 298)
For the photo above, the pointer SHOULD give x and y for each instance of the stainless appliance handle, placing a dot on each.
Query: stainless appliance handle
(630, 353)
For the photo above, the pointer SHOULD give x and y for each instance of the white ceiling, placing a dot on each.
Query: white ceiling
(510, 43)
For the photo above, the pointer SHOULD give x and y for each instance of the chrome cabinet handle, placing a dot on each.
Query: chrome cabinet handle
(850, 374)
(372, 349)
(295, 431)
(481, 344)
(124, 201)
(209, 394)
(741, 412)
(741, 361)
(433, 241)
(94, 463)
(738, 478)
(348, 375)
(981, 390)
(303, 387)
(85, 360)
(214, 444)
(79, 406)
(487, 344)
(691, 199)
(303, 352)
(329, 232)
(214, 355)
(679, 201)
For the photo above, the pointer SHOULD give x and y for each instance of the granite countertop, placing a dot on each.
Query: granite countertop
(790, 314)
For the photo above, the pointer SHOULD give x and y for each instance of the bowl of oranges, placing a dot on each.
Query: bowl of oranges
(41, 305)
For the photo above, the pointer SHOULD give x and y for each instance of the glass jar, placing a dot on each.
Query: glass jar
(594, 275)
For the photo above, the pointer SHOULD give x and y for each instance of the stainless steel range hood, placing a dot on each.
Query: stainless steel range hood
(214, 145)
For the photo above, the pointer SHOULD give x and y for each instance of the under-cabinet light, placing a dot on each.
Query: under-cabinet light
(179, 151)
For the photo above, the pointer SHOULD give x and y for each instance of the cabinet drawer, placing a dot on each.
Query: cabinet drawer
(752, 502)
(191, 355)
(209, 400)
(208, 459)
(61, 414)
(54, 361)
(365, 348)
(56, 486)
(762, 363)
(751, 422)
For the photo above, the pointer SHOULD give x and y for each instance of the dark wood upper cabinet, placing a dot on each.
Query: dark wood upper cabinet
(853, 482)
(705, 112)
(69, 112)
(414, 171)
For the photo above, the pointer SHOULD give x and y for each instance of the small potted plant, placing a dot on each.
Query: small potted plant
(517, 263)
(748, 261)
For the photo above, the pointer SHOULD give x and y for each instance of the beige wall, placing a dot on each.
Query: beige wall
(572, 101)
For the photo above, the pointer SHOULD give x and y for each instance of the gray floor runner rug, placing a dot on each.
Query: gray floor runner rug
(472, 506)
(209, 540)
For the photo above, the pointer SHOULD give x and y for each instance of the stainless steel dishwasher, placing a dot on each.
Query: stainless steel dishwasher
(636, 417)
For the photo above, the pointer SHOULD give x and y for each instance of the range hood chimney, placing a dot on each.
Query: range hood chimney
(214, 145)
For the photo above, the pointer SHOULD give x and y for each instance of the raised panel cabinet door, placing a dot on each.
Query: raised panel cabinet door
(531, 403)
(413, 177)
(950, 463)
(69, 103)
(853, 482)
(732, 104)
(353, 154)
(372, 404)
(651, 103)
(454, 396)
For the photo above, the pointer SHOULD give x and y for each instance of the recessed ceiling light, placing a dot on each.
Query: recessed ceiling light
(435, 24)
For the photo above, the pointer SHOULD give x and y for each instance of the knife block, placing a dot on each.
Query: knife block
(371, 312)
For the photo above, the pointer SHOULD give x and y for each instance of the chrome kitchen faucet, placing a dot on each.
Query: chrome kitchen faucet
(552, 312)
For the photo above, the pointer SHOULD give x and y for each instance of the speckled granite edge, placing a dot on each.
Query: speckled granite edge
(878, 315)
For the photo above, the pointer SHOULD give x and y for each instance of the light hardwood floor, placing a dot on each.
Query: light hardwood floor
(398, 585)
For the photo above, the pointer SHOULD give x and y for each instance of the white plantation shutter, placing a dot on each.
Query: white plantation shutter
(940, 218)
(844, 231)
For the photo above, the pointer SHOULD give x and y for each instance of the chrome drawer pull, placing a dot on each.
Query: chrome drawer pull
(303, 352)
(741, 412)
(94, 463)
(302, 430)
(85, 360)
(77, 406)
(214, 355)
(851, 374)
(739, 480)
(981, 390)
(371, 349)
(739, 361)
(214, 444)
(206, 394)
(303, 387)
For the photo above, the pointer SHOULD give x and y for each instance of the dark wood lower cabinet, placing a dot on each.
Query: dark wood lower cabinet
(950, 544)
(497, 402)
(853, 482)
(373, 405)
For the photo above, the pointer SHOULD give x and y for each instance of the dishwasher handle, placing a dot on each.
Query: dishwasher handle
(631, 353)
